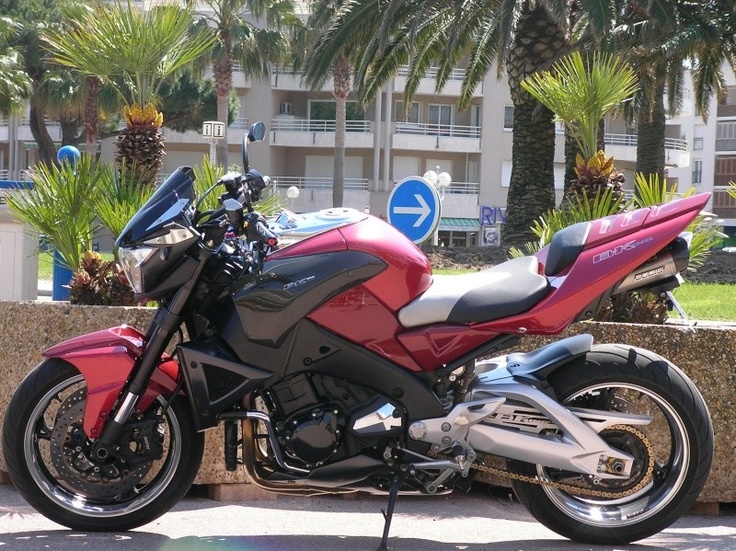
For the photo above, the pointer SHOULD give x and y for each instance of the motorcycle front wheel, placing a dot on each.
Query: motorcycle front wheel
(49, 458)
(672, 455)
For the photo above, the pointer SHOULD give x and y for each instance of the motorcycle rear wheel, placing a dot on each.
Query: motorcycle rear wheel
(47, 454)
(680, 440)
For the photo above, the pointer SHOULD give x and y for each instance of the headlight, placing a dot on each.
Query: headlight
(131, 260)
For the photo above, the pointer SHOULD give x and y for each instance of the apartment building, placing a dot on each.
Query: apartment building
(387, 142)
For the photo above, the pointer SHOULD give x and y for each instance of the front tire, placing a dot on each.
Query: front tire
(679, 440)
(48, 459)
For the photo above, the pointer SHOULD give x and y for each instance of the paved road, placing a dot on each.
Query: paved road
(471, 522)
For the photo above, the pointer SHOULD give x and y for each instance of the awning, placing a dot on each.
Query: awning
(459, 224)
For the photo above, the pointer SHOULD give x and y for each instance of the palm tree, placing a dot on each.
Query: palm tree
(328, 57)
(698, 36)
(241, 40)
(135, 52)
(581, 92)
(15, 85)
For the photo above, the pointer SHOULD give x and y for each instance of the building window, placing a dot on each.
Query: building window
(697, 172)
(698, 133)
(508, 117)
(412, 115)
(440, 118)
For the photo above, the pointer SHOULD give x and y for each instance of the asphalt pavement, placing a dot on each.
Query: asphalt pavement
(476, 521)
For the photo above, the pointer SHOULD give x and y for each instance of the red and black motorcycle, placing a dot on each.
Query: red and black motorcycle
(339, 363)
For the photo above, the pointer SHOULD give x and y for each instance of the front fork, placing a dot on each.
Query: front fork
(165, 324)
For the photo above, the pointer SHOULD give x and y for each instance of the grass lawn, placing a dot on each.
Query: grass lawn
(707, 301)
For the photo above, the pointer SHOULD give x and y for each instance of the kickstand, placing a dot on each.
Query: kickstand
(393, 493)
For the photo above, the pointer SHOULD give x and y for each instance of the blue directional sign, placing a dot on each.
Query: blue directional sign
(414, 208)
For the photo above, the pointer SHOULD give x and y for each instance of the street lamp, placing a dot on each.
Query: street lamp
(292, 192)
(441, 181)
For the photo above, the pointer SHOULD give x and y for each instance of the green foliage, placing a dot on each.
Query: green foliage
(131, 49)
(191, 101)
(580, 92)
(60, 205)
(15, 85)
(121, 194)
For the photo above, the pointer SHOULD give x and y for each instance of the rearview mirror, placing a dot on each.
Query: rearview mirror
(257, 132)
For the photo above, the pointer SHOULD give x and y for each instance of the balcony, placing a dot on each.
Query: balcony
(724, 205)
(296, 132)
(623, 148)
(726, 111)
(293, 82)
(428, 83)
(428, 137)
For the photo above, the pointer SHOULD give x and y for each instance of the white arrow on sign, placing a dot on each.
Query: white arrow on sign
(423, 210)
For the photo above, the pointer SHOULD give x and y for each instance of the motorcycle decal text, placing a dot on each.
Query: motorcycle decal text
(649, 273)
(631, 245)
(298, 282)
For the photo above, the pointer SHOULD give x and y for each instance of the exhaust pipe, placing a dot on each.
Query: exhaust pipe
(660, 271)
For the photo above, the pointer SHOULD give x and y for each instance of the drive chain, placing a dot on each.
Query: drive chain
(580, 489)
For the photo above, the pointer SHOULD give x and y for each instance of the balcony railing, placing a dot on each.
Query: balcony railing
(428, 129)
(463, 188)
(317, 182)
(724, 205)
(317, 125)
(632, 139)
(240, 123)
(4, 174)
(455, 74)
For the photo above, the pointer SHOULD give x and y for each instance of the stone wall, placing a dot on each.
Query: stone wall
(706, 355)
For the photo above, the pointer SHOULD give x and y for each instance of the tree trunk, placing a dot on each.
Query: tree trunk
(571, 152)
(91, 113)
(223, 73)
(651, 122)
(531, 190)
(46, 149)
(341, 74)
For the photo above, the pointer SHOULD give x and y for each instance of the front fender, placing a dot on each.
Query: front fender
(105, 359)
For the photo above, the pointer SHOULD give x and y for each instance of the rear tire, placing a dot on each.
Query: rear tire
(46, 454)
(680, 438)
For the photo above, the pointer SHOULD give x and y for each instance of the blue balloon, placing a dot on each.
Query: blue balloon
(68, 154)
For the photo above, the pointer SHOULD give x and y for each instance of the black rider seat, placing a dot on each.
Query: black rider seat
(501, 291)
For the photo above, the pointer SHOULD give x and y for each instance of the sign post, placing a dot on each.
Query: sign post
(414, 208)
(213, 131)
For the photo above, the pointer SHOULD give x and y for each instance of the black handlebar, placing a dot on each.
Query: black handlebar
(258, 230)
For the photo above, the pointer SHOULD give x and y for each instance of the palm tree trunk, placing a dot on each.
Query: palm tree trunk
(531, 190)
(341, 74)
(223, 73)
(91, 113)
(46, 149)
(571, 151)
(651, 123)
